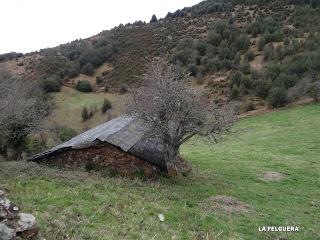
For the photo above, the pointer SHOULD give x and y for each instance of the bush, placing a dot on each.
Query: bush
(237, 58)
(73, 73)
(85, 114)
(153, 18)
(261, 43)
(214, 38)
(278, 97)
(262, 88)
(202, 48)
(249, 56)
(106, 105)
(84, 86)
(314, 91)
(33, 144)
(235, 93)
(65, 133)
(279, 54)
(246, 68)
(193, 69)
(268, 52)
(243, 43)
(236, 79)
(88, 69)
(200, 79)
(51, 85)
(123, 88)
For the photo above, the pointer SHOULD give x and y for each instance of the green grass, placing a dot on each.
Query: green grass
(70, 102)
(74, 205)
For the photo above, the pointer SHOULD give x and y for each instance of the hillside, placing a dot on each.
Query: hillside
(258, 54)
(80, 205)
(247, 50)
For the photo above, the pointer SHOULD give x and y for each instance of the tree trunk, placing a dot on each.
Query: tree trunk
(171, 161)
(12, 154)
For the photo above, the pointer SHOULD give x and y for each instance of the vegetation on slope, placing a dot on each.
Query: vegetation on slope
(239, 49)
(74, 205)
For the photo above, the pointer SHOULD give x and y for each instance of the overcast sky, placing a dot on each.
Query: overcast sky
(29, 25)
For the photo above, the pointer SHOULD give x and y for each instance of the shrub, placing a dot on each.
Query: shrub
(314, 91)
(245, 68)
(279, 53)
(237, 58)
(182, 56)
(236, 79)
(153, 18)
(73, 73)
(193, 69)
(287, 80)
(268, 52)
(106, 105)
(278, 97)
(84, 86)
(33, 144)
(65, 133)
(85, 114)
(214, 38)
(242, 43)
(88, 69)
(200, 79)
(261, 43)
(262, 88)
(235, 92)
(249, 56)
(51, 84)
(212, 65)
(201, 47)
(123, 88)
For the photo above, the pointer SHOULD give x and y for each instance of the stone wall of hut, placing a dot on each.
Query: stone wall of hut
(103, 157)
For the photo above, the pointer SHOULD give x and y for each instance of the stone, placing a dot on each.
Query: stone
(26, 222)
(14, 224)
(6, 233)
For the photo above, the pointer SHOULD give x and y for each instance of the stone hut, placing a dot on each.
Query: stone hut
(119, 145)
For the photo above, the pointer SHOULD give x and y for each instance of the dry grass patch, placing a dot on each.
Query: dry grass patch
(272, 176)
(227, 205)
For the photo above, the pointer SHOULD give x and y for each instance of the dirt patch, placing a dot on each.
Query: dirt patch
(227, 205)
(272, 176)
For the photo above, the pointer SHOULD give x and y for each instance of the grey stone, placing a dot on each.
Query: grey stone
(6, 233)
(26, 222)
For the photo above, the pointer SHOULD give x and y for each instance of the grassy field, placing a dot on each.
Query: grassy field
(70, 102)
(75, 205)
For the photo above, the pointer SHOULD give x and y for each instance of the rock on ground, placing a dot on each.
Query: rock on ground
(14, 224)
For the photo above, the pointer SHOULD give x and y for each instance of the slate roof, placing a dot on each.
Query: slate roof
(124, 132)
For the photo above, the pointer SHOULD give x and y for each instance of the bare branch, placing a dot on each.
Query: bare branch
(21, 108)
(175, 112)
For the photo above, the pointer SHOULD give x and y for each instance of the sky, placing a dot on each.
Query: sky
(30, 25)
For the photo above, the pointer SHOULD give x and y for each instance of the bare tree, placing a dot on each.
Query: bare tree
(22, 109)
(175, 112)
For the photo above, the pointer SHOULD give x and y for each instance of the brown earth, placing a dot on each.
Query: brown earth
(227, 205)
